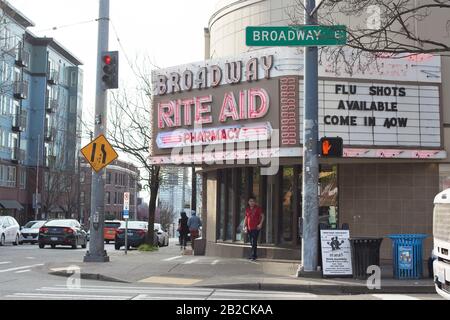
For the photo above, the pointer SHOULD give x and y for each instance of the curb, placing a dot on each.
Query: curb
(88, 276)
(324, 289)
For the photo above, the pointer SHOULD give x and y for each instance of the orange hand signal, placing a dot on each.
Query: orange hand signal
(326, 147)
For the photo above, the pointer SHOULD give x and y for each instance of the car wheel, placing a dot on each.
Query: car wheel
(117, 246)
(75, 246)
(84, 245)
(107, 241)
(2, 240)
(41, 246)
(53, 246)
(16, 242)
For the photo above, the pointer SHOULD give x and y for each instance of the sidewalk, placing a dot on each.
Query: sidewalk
(240, 274)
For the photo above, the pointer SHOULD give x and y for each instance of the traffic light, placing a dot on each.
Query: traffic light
(110, 69)
(331, 147)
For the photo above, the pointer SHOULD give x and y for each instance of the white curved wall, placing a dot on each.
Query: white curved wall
(228, 22)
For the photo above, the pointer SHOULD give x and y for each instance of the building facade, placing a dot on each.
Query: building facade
(239, 117)
(121, 177)
(41, 121)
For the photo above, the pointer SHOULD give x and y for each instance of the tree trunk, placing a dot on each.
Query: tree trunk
(151, 213)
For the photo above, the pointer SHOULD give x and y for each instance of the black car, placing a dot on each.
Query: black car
(62, 232)
(137, 230)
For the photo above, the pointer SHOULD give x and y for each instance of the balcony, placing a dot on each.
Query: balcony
(22, 58)
(49, 134)
(18, 155)
(50, 161)
(52, 77)
(19, 122)
(51, 105)
(21, 89)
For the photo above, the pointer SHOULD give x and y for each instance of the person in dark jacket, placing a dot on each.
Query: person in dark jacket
(183, 229)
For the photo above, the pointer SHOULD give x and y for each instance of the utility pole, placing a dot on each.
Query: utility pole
(310, 200)
(97, 251)
(36, 198)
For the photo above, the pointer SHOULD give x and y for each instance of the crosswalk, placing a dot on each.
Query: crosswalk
(62, 292)
(127, 292)
(19, 269)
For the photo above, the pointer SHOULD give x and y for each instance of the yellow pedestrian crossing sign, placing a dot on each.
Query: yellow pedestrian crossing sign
(99, 153)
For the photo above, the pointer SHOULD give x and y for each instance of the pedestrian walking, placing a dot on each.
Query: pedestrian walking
(183, 229)
(254, 219)
(194, 224)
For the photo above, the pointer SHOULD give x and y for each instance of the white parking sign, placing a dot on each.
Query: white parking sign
(126, 201)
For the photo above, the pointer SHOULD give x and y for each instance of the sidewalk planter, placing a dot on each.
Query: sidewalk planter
(407, 255)
(365, 253)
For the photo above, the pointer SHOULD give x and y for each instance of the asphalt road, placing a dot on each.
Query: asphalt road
(22, 276)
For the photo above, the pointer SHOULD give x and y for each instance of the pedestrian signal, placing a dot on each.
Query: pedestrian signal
(331, 147)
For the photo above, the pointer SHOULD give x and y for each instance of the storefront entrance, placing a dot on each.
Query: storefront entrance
(280, 198)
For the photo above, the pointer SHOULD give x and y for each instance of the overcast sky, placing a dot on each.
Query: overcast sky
(169, 32)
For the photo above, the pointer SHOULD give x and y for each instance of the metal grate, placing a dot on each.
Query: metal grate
(441, 222)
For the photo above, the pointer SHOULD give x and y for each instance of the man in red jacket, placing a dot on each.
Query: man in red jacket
(254, 219)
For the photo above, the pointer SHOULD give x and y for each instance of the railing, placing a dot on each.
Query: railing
(51, 105)
(50, 161)
(21, 89)
(49, 134)
(23, 58)
(52, 77)
(18, 155)
(19, 122)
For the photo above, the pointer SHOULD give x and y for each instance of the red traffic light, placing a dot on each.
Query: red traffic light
(107, 59)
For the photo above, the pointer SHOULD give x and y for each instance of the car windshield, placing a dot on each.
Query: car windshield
(60, 223)
(2, 219)
(135, 225)
(112, 225)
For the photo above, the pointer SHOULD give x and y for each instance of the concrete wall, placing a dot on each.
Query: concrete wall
(380, 199)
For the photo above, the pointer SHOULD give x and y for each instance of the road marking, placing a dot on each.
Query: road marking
(215, 262)
(21, 268)
(170, 280)
(23, 271)
(136, 289)
(191, 261)
(5, 262)
(30, 258)
(66, 296)
(394, 297)
(173, 258)
(146, 297)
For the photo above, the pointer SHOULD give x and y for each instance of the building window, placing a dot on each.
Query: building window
(116, 178)
(12, 178)
(82, 176)
(328, 196)
(82, 197)
(108, 197)
(115, 198)
(108, 178)
(23, 178)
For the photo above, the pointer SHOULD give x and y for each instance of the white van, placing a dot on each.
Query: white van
(441, 237)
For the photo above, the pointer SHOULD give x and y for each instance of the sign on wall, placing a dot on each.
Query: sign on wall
(336, 253)
(379, 114)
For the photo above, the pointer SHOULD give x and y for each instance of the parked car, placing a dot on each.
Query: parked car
(137, 230)
(163, 236)
(62, 232)
(30, 231)
(109, 231)
(9, 231)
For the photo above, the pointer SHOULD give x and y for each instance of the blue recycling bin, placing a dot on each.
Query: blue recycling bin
(407, 254)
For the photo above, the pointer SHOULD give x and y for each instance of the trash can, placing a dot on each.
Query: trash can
(407, 255)
(365, 253)
(199, 247)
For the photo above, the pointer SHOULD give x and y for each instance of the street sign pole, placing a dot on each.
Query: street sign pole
(310, 199)
(126, 236)
(126, 216)
(97, 251)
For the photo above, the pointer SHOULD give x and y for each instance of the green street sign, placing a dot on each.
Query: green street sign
(296, 36)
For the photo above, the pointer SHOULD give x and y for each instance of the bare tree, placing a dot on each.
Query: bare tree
(130, 132)
(166, 216)
(383, 28)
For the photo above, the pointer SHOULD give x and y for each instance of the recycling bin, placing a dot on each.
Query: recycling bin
(365, 253)
(407, 255)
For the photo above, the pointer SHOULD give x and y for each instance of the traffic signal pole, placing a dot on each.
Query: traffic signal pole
(97, 251)
(310, 199)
